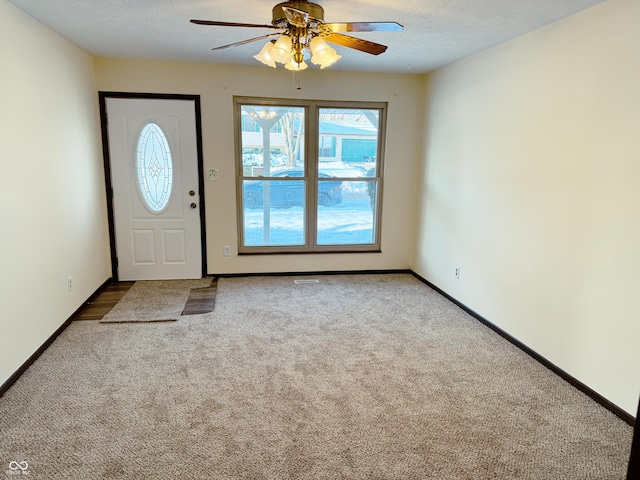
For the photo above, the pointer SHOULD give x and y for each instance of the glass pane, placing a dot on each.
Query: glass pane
(273, 212)
(272, 140)
(154, 168)
(348, 142)
(349, 221)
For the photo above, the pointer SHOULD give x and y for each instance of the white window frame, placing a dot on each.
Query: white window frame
(311, 133)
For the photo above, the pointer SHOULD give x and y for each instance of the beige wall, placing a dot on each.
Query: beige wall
(217, 84)
(51, 185)
(530, 186)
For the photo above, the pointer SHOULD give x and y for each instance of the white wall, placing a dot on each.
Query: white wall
(52, 203)
(531, 186)
(217, 84)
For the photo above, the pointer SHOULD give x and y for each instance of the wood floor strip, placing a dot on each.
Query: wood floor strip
(201, 300)
(102, 305)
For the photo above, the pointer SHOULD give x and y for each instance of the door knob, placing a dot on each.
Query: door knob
(193, 205)
(191, 193)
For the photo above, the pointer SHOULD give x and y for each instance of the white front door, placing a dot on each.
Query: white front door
(156, 200)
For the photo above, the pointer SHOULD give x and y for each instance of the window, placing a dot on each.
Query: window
(154, 169)
(327, 147)
(309, 175)
(250, 125)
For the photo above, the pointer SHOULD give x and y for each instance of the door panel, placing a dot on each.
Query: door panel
(174, 246)
(143, 246)
(155, 180)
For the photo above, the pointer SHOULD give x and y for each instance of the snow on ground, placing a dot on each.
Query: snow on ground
(350, 222)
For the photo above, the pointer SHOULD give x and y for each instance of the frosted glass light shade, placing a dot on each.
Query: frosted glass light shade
(264, 56)
(322, 53)
(292, 65)
(333, 58)
(318, 49)
(281, 50)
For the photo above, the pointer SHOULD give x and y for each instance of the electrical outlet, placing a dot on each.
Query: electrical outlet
(456, 273)
(213, 175)
(226, 250)
(69, 284)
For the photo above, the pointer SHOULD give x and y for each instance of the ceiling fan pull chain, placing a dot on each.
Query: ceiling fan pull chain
(296, 79)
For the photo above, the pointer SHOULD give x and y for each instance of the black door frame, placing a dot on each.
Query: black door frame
(107, 166)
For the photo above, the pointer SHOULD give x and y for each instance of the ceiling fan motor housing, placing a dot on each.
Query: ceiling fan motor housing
(314, 10)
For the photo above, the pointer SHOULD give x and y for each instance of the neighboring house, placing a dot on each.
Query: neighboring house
(355, 143)
(347, 143)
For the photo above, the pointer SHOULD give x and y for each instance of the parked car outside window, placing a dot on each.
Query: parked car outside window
(290, 193)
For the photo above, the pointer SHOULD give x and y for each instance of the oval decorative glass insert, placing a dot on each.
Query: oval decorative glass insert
(154, 167)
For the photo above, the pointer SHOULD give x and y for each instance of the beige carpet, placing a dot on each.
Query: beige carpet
(154, 301)
(356, 377)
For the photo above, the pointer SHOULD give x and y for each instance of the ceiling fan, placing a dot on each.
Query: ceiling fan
(303, 34)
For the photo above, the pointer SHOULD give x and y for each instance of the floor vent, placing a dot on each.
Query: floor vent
(304, 282)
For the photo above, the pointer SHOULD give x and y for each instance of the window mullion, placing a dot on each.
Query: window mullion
(312, 174)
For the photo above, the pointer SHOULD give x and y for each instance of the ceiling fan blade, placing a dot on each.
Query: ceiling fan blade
(356, 43)
(365, 27)
(231, 24)
(246, 41)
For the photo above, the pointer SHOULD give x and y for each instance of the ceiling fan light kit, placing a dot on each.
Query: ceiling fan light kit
(305, 35)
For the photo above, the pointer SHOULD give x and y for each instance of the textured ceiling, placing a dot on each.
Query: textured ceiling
(436, 32)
